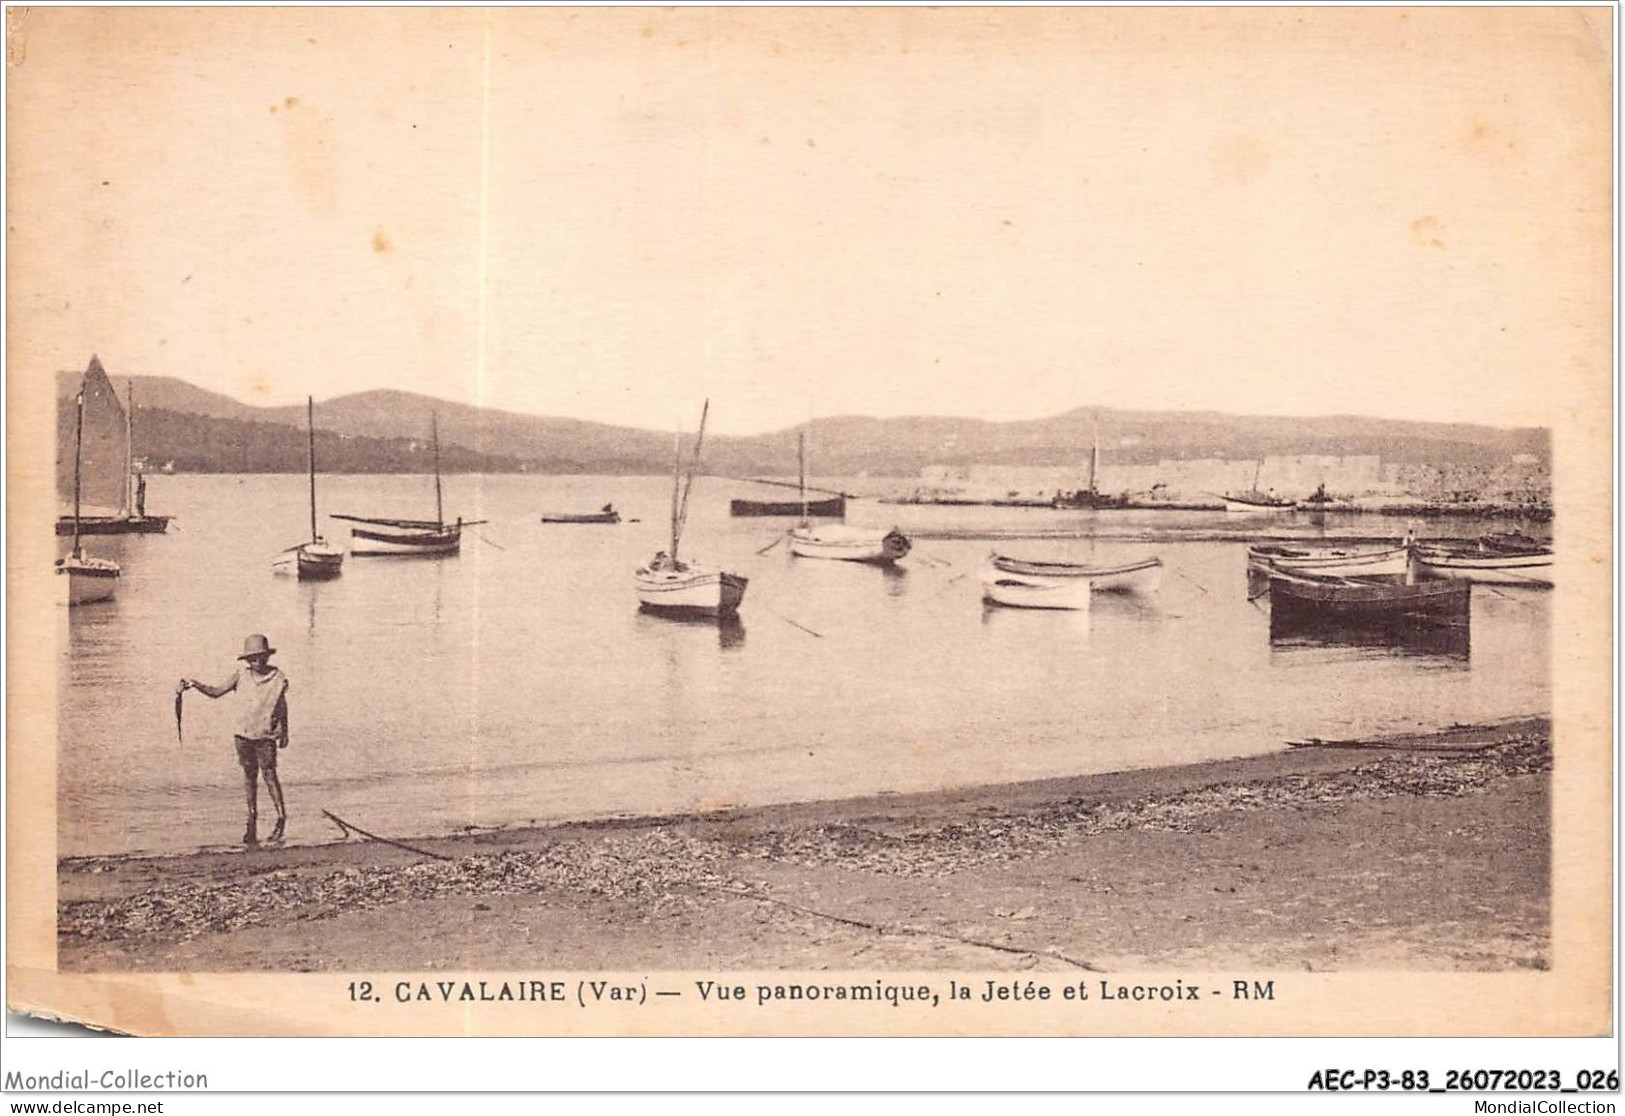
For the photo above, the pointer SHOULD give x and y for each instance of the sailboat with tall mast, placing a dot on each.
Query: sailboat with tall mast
(669, 586)
(410, 537)
(1253, 501)
(318, 559)
(108, 485)
(1091, 497)
(88, 579)
(837, 540)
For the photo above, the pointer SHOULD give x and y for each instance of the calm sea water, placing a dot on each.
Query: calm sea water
(519, 682)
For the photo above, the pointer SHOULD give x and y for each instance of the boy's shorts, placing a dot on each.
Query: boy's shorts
(256, 755)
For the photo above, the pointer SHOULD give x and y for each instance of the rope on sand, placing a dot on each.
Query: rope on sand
(914, 931)
(348, 829)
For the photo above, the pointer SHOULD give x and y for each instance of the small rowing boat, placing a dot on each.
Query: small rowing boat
(1024, 591)
(1367, 600)
(1267, 559)
(832, 508)
(607, 514)
(1142, 576)
(1486, 564)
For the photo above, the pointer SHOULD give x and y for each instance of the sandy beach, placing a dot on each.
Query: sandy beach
(1424, 853)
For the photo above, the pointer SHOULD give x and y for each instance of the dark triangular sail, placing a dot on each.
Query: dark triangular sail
(105, 454)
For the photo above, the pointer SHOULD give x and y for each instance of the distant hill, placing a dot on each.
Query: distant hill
(388, 431)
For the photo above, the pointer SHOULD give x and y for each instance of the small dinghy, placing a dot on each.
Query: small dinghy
(1024, 591)
(1141, 576)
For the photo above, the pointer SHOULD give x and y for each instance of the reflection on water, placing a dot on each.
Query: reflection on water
(1449, 639)
(520, 681)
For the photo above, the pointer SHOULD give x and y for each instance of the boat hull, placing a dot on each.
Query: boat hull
(592, 517)
(832, 508)
(694, 591)
(1534, 570)
(318, 561)
(114, 525)
(1144, 576)
(1018, 591)
(88, 580)
(1372, 601)
(1242, 505)
(849, 544)
(1391, 561)
(374, 543)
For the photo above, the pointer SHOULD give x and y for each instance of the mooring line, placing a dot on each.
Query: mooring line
(348, 829)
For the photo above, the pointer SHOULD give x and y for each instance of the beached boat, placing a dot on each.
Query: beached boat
(1368, 600)
(1355, 561)
(1141, 576)
(120, 496)
(1023, 591)
(88, 579)
(405, 538)
(838, 541)
(1497, 563)
(668, 586)
(607, 514)
(318, 559)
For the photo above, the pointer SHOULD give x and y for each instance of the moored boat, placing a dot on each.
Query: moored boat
(607, 514)
(1255, 503)
(1385, 561)
(88, 579)
(1141, 576)
(833, 507)
(1024, 591)
(839, 541)
(405, 538)
(104, 487)
(1486, 566)
(318, 559)
(1373, 599)
(668, 586)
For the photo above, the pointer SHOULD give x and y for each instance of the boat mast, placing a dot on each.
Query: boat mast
(129, 448)
(78, 445)
(1094, 457)
(1256, 470)
(434, 427)
(801, 461)
(688, 484)
(310, 421)
(676, 485)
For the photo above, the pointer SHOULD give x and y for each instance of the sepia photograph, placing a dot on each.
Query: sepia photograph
(810, 521)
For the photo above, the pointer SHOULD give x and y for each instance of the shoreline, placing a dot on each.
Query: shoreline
(920, 803)
(1427, 851)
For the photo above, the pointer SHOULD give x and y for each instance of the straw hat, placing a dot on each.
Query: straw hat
(257, 646)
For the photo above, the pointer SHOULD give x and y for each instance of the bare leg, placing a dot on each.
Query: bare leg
(251, 786)
(274, 786)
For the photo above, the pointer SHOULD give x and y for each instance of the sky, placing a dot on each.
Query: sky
(612, 214)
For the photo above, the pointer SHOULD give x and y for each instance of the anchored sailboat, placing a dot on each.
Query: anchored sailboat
(409, 537)
(672, 587)
(88, 579)
(836, 540)
(111, 474)
(317, 559)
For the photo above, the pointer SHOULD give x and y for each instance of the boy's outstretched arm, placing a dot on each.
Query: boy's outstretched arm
(207, 690)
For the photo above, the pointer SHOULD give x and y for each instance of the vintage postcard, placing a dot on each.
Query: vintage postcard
(702, 521)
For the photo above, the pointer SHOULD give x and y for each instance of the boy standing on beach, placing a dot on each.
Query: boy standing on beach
(262, 726)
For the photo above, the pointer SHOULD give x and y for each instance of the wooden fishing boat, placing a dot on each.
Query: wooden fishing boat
(1486, 565)
(318, 559)
(1141, 576)
(87, 579)
(406, 538)
(607, 514)
(1354, 561)
(106, 488)
(836, 540)
(1368, 600)
(1255, 502)
(1023, 591)
(668, 586)
(834, 507)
